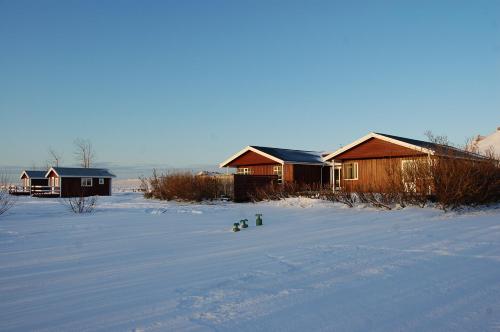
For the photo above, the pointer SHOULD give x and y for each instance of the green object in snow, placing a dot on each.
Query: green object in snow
(243, 223)
(235, 227)
(258, 221)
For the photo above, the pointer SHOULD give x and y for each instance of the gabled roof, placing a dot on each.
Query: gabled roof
(78, 172)
(33, 174)
(414, 144)
(282, 156)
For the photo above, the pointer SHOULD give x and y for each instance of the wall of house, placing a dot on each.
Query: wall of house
(373, 174)
(376, 148)
(260, 169)
(72, 187)
(251, 158)
(308, 174)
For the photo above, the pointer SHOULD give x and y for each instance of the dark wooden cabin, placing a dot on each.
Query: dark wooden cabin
(258, 166)
(363, 165)
(74, 182)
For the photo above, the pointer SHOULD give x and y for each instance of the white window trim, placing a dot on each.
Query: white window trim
(355, 167)
(243, 171)
(101, 180)
(278, 170)
(84, 182)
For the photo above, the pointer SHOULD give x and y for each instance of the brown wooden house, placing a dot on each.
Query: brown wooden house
(363, 165)
(74, 182)
(258, 166)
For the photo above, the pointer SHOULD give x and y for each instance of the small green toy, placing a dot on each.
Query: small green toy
(243, 223)
(258, 221)
(235, 227)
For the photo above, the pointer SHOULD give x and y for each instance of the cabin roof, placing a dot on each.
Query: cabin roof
(34, 174)
(78, 172)
(417, 145)
(282, 156)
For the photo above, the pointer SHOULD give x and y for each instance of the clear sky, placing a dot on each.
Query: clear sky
(183, 83)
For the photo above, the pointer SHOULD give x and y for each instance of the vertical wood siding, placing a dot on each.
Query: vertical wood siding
(373, 174)
(377, 148)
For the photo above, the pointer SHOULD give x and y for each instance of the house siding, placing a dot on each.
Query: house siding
(72, 187)
(377, 148)
(250, 158)
(373, 174)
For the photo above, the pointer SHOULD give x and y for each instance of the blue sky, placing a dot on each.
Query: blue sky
(182, 83)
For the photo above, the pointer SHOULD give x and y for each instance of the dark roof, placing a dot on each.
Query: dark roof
(438, 148)
(292, 156)
(83, 172)
(35, 174)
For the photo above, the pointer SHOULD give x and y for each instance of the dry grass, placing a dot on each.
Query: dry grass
(183, 187)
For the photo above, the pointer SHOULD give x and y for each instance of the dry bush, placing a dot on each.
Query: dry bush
(449, 180)
(184, 187)
(465, 182)
(7, 201)
(81, 204)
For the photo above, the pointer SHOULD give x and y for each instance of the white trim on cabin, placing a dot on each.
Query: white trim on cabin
(77, 176)
(382, 137)
(250, 148)
(30, 177)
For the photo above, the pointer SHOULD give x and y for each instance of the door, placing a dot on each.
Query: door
(336, 175)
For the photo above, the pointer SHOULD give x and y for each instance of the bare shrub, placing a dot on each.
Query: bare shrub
(81, 204)
(465, 182)
(7, 201)
(183, 186)
(346, 197)
(449, 177)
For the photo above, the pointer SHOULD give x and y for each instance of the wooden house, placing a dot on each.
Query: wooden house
(258, 166)
(74, 181)
(363, 165)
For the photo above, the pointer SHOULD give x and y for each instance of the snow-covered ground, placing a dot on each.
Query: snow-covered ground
(155, 266)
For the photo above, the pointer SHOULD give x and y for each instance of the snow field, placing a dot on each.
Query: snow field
(144, 265)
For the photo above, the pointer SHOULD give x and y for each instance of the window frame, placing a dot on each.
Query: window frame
(355, 171)
(84, 182)
(278, 171)
(243, 171)
(101, 180)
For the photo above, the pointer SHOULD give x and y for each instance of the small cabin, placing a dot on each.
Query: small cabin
(76, 181)
(258, 166)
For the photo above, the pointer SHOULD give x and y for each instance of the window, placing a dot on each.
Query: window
(278, 170)
(86, 182)
(244, 170)
(351, 171)
(101, 181)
